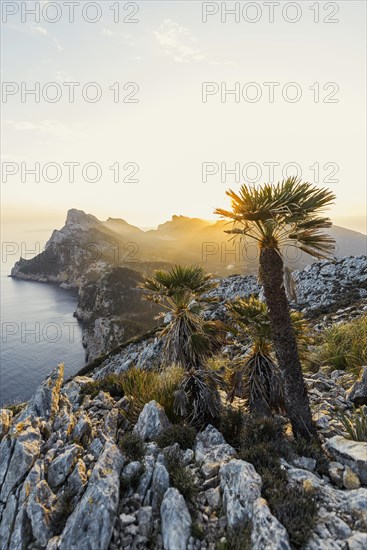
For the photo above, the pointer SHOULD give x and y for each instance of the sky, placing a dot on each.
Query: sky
(159, 132)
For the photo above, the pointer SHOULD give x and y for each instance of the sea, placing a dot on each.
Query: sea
(38, 330)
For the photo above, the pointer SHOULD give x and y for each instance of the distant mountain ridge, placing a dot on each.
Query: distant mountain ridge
(85, 240)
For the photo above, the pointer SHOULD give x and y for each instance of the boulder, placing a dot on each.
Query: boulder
(41, 509)
(350, 453)
(18, 452)
(152, 421)
(242, 502)
(211, 447)
(160, 484)
(45, 402)
(5, 419)
(91, 524)
(176, 521)
(358, 392)
(61, 466)
(145, 520)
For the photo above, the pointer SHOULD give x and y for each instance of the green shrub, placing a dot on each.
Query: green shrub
(132, 446)
(237, 539)
(142, 386)
(181, 477)
(197, 531)
(110, 384)
(296, 509)
(312, 449)
(178, 433)
(262, 455)
(262, 429)
(355, 425)
(343, 346)
(263, 444)
(232, 422)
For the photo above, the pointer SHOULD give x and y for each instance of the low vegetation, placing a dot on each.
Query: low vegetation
(110, 384)
(263, 445)
(178, 433)
(343, 346)
(354, 424)
(141, 386)
(132, 446)
(180, 477)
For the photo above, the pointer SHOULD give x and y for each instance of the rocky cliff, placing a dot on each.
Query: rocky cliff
(327, 292)
(67, 482)
(103, 261)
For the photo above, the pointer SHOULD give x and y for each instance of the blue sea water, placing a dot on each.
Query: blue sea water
(38, 331)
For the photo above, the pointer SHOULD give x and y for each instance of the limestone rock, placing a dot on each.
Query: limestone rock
(91, 524)
(145, 520)
(267, 532)
(40, 510)
(61, 466)
(358, 541)
(176, 521)
(358, 392)
(82, 431)
(350, 453)
(350, 479)
(18, 452)
(152, 421)
(44, 403)
(160, 484)
(211, 447)
(72, 389)
(5, 419)
(305, 463)
(336, 473)
(241, 486)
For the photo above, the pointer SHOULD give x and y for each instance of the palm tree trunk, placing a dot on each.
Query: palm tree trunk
(285, 344)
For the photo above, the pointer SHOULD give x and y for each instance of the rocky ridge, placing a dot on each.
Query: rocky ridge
(66, 484)
(328, 293)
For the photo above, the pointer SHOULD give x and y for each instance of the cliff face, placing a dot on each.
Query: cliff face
(111, 309)
(103, 261)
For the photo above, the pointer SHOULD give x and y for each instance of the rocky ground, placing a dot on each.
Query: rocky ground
(66, 484)
(327, 293)
(67, 481)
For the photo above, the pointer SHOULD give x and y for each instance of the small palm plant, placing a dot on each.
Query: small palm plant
(257, 378)
(277, 216)
(189, 339)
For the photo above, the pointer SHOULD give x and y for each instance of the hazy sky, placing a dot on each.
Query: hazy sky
(170, 131)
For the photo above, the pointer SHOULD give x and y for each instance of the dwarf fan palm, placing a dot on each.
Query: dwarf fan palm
(189, 338)
(257, 378)
(285, 214)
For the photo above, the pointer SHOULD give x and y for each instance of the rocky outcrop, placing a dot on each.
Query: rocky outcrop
(350, 453)
(44, 403)
(242, 501)
(211, 447)
(111, 309)
(358, 392)
(90, 525)
(176, 521)
(152, 422)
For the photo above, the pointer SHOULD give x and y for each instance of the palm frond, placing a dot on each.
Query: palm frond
(287, 212)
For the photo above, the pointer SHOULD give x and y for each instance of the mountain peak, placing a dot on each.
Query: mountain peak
(79, 217)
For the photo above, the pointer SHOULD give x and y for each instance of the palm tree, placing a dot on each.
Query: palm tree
(275, 216)
(189, 339)
(256, 377)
